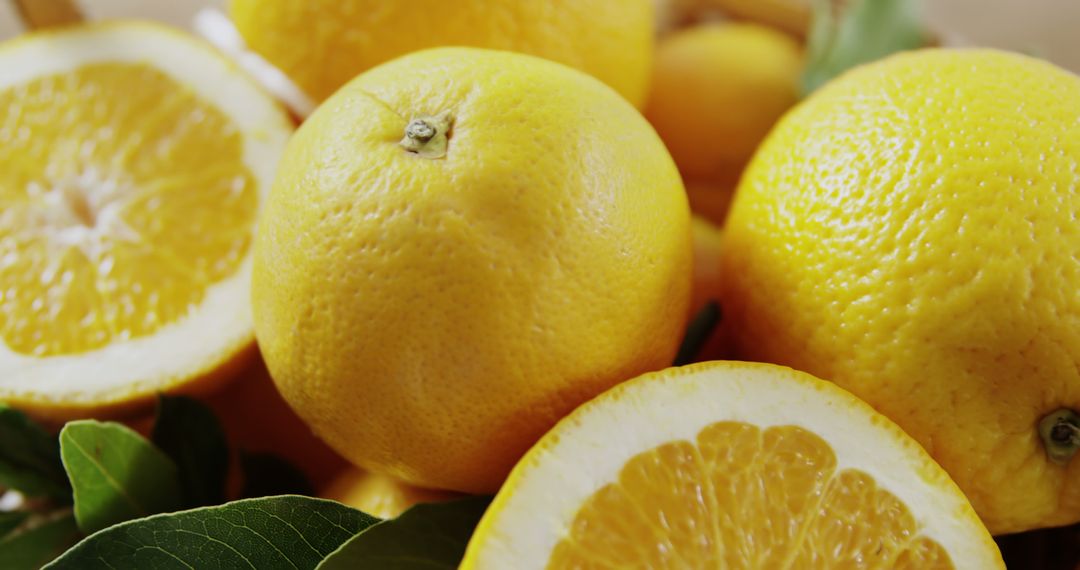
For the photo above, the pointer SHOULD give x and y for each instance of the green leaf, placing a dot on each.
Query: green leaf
(30, 458)
(425, 537)
(191, 435)
(266, 474)
(10, 520)
(38, 541)
(867, 30)
(274, 532)
(116, 474)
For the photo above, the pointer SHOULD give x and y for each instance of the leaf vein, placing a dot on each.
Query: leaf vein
(332, 523)
(175, 557)
(298, 532)
(219, 541)
(109, 478)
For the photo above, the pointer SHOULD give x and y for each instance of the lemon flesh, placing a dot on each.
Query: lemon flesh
(136, 159)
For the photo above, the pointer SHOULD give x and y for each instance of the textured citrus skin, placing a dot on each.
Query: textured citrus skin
(717, 89)
(322, 44)
(431, 318)
(910, 233)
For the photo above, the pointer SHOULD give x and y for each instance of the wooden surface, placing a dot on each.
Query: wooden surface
(47, 13)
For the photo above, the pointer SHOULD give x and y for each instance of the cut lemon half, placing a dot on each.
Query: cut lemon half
(135, 160)
(729, 465)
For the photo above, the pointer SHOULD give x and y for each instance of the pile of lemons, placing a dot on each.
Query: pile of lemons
(472, 266)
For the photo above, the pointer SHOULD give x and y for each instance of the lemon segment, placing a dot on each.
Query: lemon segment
(782, 499)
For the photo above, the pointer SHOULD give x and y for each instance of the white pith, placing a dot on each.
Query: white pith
(222, 322)
(594, 443)
(219, 30)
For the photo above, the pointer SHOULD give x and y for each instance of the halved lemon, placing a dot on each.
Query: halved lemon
(729, 465)
(134, 162)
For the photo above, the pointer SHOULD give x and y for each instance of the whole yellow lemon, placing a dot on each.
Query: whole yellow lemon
(461, 246)
(321, 44)
(910, 232)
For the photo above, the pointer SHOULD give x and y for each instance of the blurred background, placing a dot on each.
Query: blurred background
(1046, 28)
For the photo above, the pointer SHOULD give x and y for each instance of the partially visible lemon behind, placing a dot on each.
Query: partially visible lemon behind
(379, 495)
(791, 16)
(460, 247)
(256, 419)
(321, 44)
(135, 161)
(910, 232)
(708, 243)
(717, 89)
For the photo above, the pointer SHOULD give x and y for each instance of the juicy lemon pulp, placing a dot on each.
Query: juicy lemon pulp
(742, 497)
(126, 198)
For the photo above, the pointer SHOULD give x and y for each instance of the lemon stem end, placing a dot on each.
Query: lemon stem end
(427, 136)
(1060, 433)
